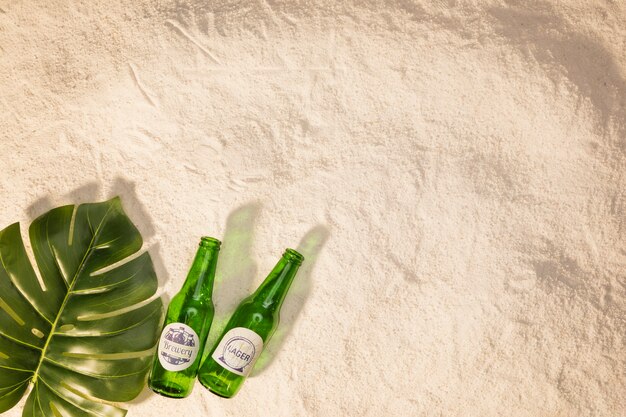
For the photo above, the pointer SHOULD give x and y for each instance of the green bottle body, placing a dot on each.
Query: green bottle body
(187, 324)
(249, 329)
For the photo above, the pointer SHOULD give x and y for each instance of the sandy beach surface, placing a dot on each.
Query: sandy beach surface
(454, 172)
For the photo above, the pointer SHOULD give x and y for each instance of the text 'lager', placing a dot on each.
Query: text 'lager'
(249, 329)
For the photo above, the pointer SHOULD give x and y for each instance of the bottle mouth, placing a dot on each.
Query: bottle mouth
(210, 242)
(293, 255)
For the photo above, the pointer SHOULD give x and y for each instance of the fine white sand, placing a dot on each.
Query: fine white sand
(453, 170)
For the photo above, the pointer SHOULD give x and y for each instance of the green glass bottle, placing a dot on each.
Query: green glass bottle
(249, 329)
(187, 325)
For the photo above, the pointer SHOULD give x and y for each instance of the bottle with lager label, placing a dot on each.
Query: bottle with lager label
(187, 325)
(249, 329)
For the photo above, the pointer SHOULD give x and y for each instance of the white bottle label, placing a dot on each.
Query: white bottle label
(178, 347)
(238, 350)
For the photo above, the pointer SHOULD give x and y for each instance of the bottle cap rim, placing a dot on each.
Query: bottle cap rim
(208, 241)
(294, 255)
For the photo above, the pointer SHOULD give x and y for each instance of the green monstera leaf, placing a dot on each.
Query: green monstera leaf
(83, 333)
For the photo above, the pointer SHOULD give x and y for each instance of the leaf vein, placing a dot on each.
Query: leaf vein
(69, 292)
(21, 342)
(64, 398)
(93, 375)
(16, 286)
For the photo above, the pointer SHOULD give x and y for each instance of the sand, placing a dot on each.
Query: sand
(453, 170)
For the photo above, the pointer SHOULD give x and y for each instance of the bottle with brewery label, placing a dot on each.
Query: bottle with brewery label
(249, 329)
(187, 325)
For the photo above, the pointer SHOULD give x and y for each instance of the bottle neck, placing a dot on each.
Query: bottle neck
(273, 290)
(199, 282)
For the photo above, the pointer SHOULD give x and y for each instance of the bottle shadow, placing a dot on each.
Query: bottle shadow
(310, 247)
(236, 269)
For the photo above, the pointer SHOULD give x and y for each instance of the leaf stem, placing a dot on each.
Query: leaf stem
(69, 292)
